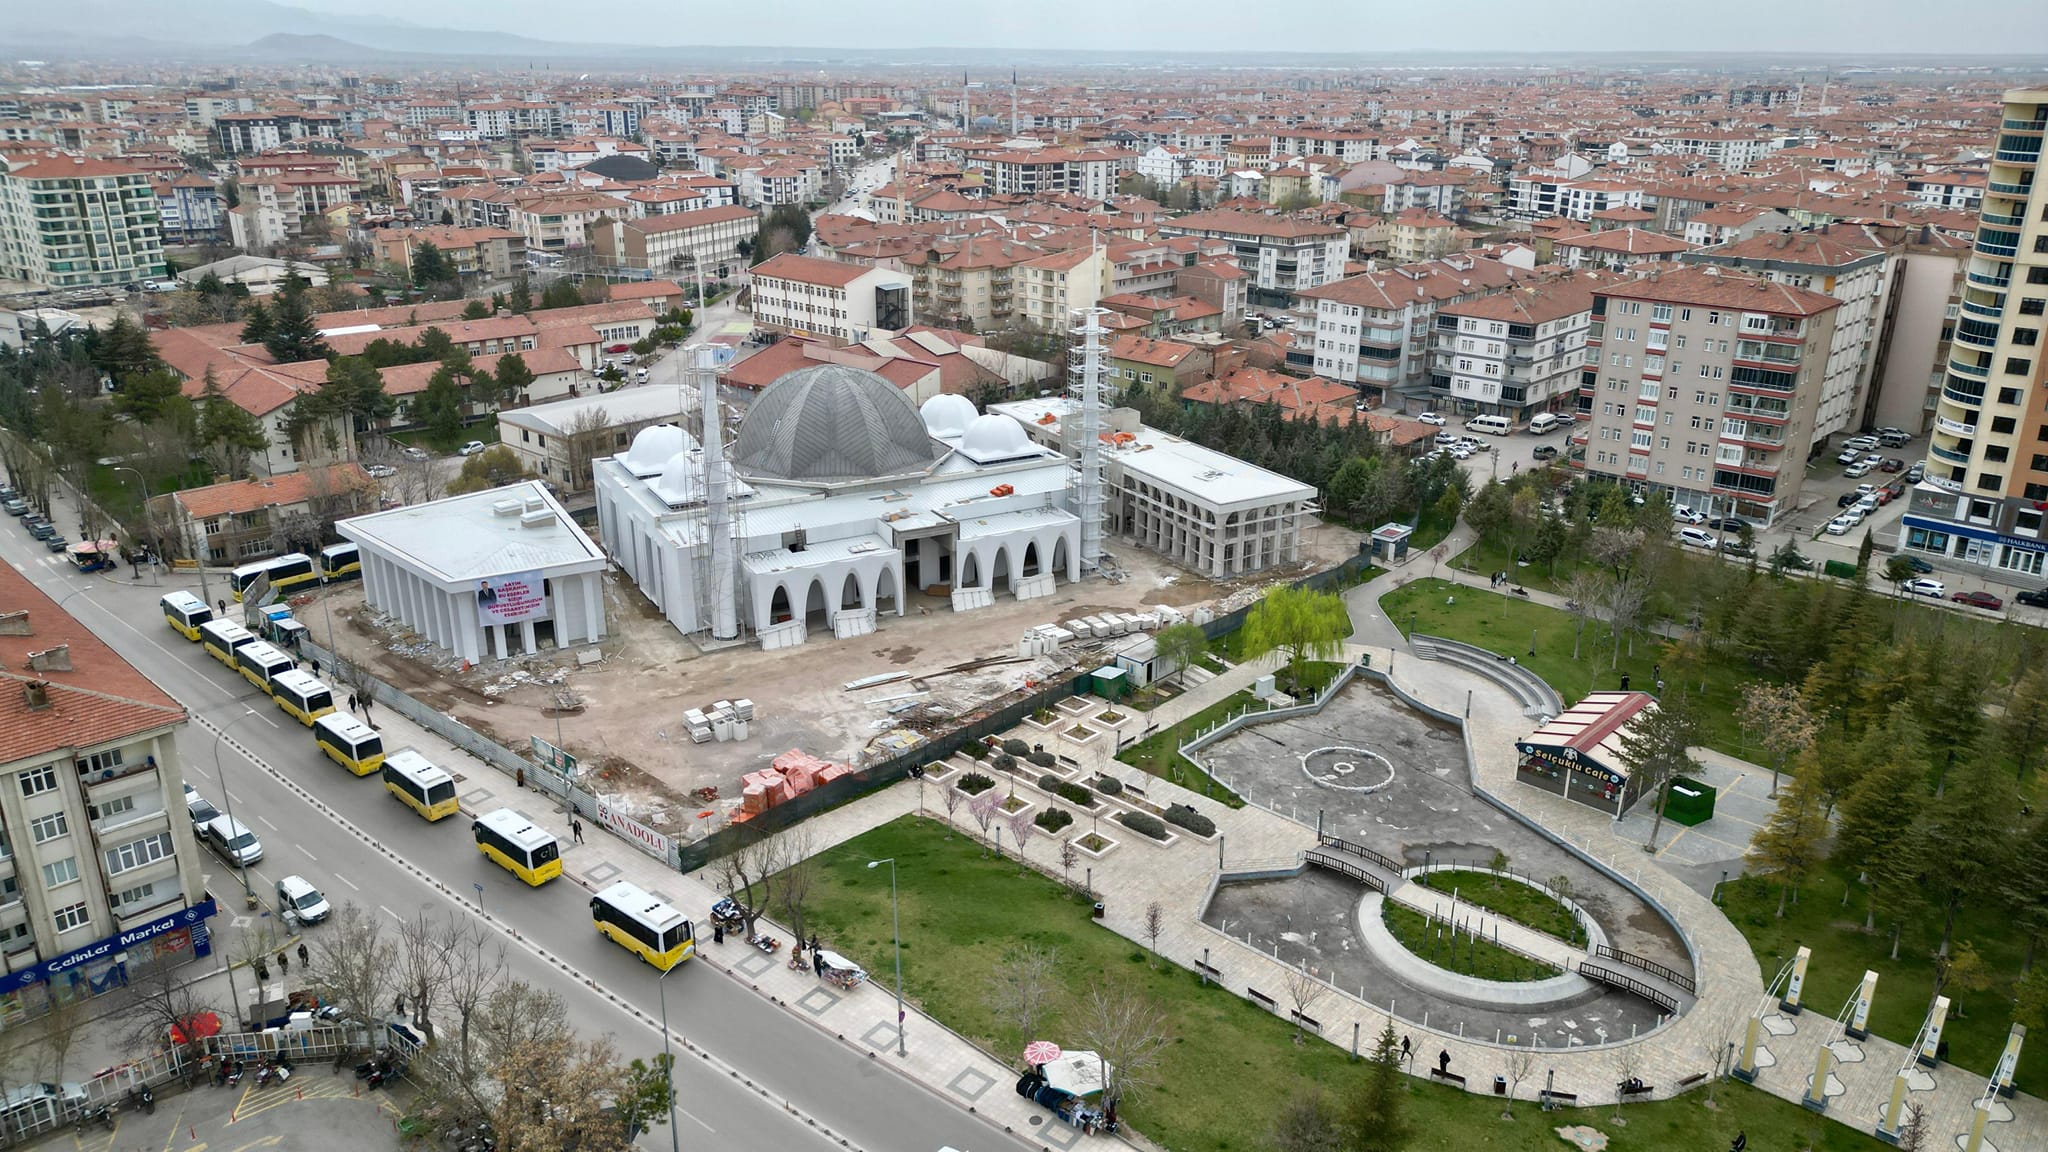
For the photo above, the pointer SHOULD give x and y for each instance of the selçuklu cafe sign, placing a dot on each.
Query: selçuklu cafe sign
(194, 917)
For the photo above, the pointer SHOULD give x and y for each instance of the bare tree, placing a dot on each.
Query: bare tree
(1628, 1059)
(560, 1095)
(423, 969)
(799, 876)
(1715, 1048)
(1023, 987)
(59, 1030)
(1021, 831)
(748, 874)
(1583, 589)
(1130, 1031)
(983, 808)
(586, 441)
(1069, 856)
(1521, 1062)
(1155, 923)
(157, 1001)
(952, 798)
(1624, 603)
(354, 964)
(1307, 1123)
(1304, 988)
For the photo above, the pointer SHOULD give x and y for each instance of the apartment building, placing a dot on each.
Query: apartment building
(70, 222)
(1704, 384)
(1733, 151)
(1540, 194)
(1053, 287)
(1981, 505)
(552, 222)
(233, 521)
(706, 241)
(1036, 171)
(504, 119)
(1419, 234)
(799, 294)
(100, 877)
(1852, 273)
(1375, 330)
(1515, 353)
(1282, 256)
(970, 282)
(477, 253)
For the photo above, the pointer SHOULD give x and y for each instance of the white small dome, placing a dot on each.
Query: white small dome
(994, 437)
(682, 478)
(947, 415)
(654, 446)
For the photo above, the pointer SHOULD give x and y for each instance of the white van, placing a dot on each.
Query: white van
(1544, 423)
(233, 840)
(1491, 425)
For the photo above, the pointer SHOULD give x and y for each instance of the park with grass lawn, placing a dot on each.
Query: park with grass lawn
(1461, 952)
(1230, 1065)
(1510, 899)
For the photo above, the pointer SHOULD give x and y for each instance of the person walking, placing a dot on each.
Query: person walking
(351, 703)
(284, 963)
(1443, 1061)
(575, 830)
(817, 960)
(305, 957)
(1406, 1055)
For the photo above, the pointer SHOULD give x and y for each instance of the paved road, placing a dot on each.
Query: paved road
(390, 866)
(870, 175)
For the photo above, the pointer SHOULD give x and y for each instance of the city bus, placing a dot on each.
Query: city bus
(259, 663)
(220, 639)
(285, 572)
(340, 562)
(422, 787)
(512, 841)
(643, 925)
(302, 696)
(186, 614)
(349, 742)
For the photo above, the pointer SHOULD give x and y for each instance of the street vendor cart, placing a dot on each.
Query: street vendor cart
(839, 971)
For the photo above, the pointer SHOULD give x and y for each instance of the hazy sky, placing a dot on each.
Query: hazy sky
(1817, 26)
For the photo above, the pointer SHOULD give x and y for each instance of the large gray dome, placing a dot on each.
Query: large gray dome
(832, 424)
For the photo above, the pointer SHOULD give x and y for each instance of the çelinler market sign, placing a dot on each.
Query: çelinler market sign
(49, 969)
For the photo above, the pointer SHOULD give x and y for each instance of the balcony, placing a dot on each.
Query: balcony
(1943, 482)
(1963, 396)
(1955, 427)
(1977, 333)
(1992, 310)
(1947, 454)
(2031, 127)
(92, 775)
(1980, 371)
(2004, 189)
(1991, 242)
(2013, 221)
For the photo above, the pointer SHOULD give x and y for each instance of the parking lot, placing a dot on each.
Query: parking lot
(315, 1111)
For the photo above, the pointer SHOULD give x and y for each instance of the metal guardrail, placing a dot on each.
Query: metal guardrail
(1626, 983)
(1345, 867)
(1676, 978)
(1379, 858)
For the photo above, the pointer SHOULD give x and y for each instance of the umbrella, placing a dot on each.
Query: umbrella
(196, 1027)
(1041, 1052)
(1076, 1073)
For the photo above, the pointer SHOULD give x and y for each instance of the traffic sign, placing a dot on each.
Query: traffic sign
(552, 758)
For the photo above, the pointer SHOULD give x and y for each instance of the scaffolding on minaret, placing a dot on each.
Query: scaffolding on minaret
(716, 569)
(1086, 371)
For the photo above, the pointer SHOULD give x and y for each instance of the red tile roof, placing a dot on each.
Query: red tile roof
(102, 699)
(238, 496)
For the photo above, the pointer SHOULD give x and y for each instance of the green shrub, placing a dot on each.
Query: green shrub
(1004, 762)
(974, 783)
(1108, 785)
(1053, 819)
(1188, 818)
(1016, 747)
(1074, 794)
(975, 750)
(1144, 823)
(1042, 759)
(1050, 783)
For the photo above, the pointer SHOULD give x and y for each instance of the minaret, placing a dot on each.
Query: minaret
(721, 595)
(966, 105)
(1013, 103)
(1089, 497)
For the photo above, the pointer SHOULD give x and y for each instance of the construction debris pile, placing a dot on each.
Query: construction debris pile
(725, 720)
(787, 776)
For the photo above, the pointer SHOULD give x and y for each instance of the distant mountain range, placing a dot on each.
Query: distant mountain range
(259, 30)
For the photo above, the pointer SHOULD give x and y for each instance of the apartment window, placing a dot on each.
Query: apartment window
(99, 761)
(140, 894)
(73, 916)
(2008, 396)
(44, 828)
(1684, 314)
(37, 781)
(1678, 341)
(114, 807)
(60, 872)
(1671, 393)
(1996, 454)
(2027, 336)
(1663, 443)
(2037, 275)
(1660, 312)
(2033, 306)
(2003, 425)
(137, 853)
(1639, 440)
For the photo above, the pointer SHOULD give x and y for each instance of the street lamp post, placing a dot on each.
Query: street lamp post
(661, 987)
(226, 797)
(142, 482)
(896, 928)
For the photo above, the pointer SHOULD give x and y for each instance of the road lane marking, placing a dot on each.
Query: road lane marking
(347, 881)
(306, 854)
(700, 1123)
(236, 799)
(266, 823)
(389, 912)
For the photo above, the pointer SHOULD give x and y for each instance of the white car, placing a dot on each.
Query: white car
(472, 448)
(1840, 526)
(1688, 516)
(380, 471)
(1861, 443)
(1698, 538)
(1431, 418)
(1859, 468)
(1867, 505)
(1925, 586)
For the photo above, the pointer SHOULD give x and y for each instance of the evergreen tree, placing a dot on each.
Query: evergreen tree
(513, 378)
(1378, 1108)
(354, 387)
(431, 267)
(229, 432)
(476, 310)
(561, 294)
(1656, 747)
(146, 395)
(294, 336)
(520, 299)
(122, 350)
(1880, 809)
(1788, 845)
(439, 407)
(1966, 837)
(2025, 720)
(2025, 886)
(256, 325)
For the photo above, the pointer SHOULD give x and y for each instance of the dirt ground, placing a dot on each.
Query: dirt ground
(630, 729)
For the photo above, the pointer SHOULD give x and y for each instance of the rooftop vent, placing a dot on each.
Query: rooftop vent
(14, 623)
(36, 692)
(56, 659)
(537, 519)
(507, 508)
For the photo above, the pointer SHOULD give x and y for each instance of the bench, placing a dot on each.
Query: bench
(1638, 1090)
(1209, 970)
(1446, 1077)
(1556, 1099)
(1270, 1004)
(1691, 1080)
(1309, 1022)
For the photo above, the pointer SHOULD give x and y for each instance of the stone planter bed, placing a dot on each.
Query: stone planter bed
(1012, 805)
(1080, 734)
(971, 795)
(1078, 706)
(1130, 833)
(1111, 719)
(1050, 723)
(1107, 845)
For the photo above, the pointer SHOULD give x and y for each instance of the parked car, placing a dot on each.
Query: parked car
(1917, 566)
(1840, 526)
(42, 530)
(1698, 538)
(1885, 495)
(1892, 464)
(1857, 469)
(415, 452)
(472, 448)
(1849, 456)
(1726, 523)
(2034, 597)
(1860, 443)
(1979, 599)
(1916, 473)
(56, 543)
(381, 471)
(1873, 459)
(15, 507)
(1848, 498)
(1687, 515)
(298, 899)
(1431, 418)
(1924, 586)
(1544, 452)
(199, 808)
(233, 840)
(1868, 504)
